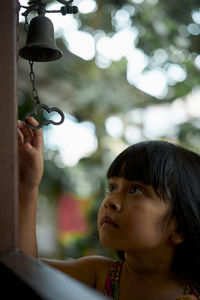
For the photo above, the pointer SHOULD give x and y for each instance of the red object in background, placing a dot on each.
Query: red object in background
(71, 215)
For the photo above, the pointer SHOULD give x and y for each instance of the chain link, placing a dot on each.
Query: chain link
(26, 26)
(41, 11)
(32, 79)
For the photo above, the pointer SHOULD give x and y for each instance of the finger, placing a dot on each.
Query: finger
(37, 134)
(26, 132)
(33, 122)
(27, 146)
(19, 123)
(20, 137)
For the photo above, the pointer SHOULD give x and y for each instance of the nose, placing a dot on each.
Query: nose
(113, 203)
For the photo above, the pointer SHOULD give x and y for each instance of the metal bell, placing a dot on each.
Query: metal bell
(40, 44)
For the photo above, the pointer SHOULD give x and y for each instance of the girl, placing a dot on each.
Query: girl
(150, 216)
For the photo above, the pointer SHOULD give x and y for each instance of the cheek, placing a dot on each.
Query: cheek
(100, 213)
(143, 227)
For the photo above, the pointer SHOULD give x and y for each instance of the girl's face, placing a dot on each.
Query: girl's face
(130, 217)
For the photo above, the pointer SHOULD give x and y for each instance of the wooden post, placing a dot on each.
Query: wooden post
(29, 278)
(8, 128)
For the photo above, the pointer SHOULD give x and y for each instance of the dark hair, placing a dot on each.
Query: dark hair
(174, 173)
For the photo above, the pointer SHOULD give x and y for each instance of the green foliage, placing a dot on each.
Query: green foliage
(90, 93)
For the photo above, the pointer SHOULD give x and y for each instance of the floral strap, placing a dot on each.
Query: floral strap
(111, 287)
(193, 289)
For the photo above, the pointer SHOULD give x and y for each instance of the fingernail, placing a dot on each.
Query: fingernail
(28, 146)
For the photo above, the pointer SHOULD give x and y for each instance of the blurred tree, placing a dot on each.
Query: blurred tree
(168, 35)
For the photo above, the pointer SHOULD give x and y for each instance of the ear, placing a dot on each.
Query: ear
(177, 237)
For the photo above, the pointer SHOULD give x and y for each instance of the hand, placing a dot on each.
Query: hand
(30, 145)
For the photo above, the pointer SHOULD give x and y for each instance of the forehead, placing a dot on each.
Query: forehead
(149, 166)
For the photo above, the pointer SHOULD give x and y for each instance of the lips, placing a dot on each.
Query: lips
(107, 220)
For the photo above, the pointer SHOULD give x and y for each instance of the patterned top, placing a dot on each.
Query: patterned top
(111, 287)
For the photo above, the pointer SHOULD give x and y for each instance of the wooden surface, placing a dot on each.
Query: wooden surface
(34, 277)
(8, 129)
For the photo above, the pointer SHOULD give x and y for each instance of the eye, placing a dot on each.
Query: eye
(135, 190)
(110, 188)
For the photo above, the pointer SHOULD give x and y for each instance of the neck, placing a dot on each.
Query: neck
(149, 267)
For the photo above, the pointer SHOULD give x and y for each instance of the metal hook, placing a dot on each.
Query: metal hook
(45, 122)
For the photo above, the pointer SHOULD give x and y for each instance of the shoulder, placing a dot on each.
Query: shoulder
(102, 267)
(91, 270)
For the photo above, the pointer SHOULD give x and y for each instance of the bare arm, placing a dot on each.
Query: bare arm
(89, 270)
(30, 144)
